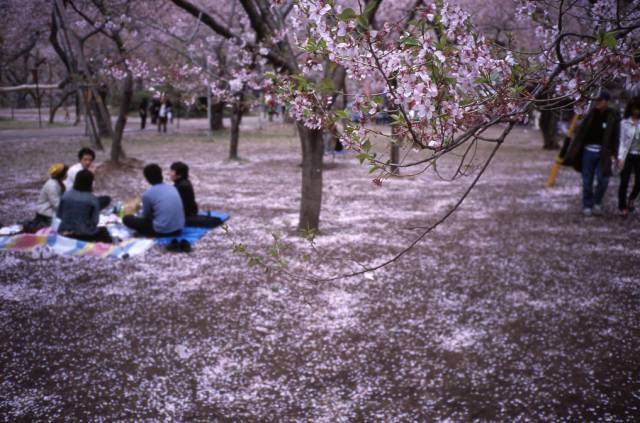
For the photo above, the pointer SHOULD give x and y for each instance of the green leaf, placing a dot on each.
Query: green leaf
(410, 41)
(362, 157)
(363, 22)
(326, 86)
(370, 6)
(302, 82)
(608, 39)
(347, 14)
(398, 119)
(378, 99)
(342, 114)
(373, 168)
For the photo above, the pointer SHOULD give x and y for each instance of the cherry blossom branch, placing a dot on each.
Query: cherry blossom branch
(429, 229)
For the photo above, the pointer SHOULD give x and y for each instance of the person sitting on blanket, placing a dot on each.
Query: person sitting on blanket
(79, 211)
(86, 156)
(162, 211)
(49, 199)
(179, 174)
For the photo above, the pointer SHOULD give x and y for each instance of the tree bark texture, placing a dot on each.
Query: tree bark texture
(236, 119)
(117, 152)
(103, 117)
(549, 127)
(217, 113)
(394, 156)
(57, 105)
(311, 193)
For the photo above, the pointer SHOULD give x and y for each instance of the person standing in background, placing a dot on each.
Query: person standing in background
(593, 152)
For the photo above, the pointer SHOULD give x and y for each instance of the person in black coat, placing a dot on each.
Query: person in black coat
(593, 151)
(179, 174)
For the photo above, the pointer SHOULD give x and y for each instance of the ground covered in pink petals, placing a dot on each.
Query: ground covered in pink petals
(515, 309)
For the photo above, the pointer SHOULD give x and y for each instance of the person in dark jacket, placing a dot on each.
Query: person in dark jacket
(593, 152)
(179, 174)
(79, 211)
(142, 111)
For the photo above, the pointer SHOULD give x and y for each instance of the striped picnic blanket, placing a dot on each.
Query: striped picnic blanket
(46, 242)
(53, 243)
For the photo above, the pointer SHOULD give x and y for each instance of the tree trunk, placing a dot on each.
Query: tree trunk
(92, 129)
(78, 110)
(217, 113)
(236, 118)
(101, 112)
(548, 127)
(56, 106)
(311, 198)
(394, 156)
(117, 152)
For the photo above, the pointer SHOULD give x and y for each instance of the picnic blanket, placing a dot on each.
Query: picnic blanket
(52, 243)
(46, 242)
(193, 234)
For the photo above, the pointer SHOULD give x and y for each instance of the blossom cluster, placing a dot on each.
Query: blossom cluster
(435, 75)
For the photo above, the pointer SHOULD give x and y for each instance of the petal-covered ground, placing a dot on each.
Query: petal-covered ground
(515, 309)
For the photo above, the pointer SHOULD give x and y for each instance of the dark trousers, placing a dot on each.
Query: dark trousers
(101, 236)
(144, 226)
(37, 223)
(200, 221)
(143, 120)
(631, 164)
(162, 124)
(104, 201)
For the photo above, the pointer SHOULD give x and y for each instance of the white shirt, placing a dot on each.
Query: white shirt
(71, 175)
(628, 131)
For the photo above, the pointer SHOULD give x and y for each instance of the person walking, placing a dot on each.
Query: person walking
(593, 152)
(162, 115)
(142, 111)
(629, 156)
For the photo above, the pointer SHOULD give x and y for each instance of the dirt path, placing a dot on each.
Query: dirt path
(516, 309)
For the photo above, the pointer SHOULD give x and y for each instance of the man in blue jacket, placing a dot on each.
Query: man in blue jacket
(162, 210)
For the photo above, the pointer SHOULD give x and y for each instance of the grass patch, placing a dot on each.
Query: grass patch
(28, 124)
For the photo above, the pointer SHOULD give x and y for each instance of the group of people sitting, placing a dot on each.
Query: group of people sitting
(68, 195)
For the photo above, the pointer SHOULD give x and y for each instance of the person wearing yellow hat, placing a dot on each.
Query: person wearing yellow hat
(49, 198)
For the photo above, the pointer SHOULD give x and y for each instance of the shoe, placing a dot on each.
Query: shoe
(598, 210)
(185, 246)
(624, 213)
(586, 212)
(173, 246)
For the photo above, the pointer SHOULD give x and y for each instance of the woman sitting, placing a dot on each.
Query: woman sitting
(179, 174)
(49, 199)
(79, 211)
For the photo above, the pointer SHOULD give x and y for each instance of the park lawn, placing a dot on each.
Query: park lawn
(28, 124)
(515, 309)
